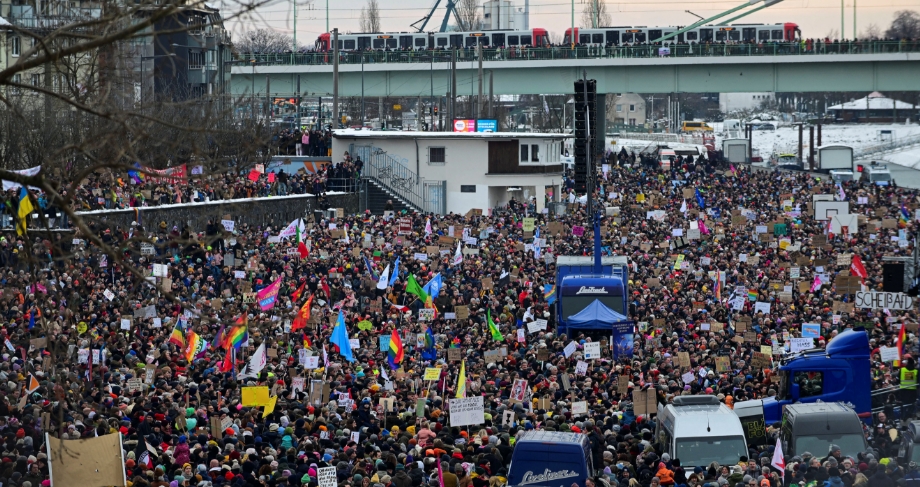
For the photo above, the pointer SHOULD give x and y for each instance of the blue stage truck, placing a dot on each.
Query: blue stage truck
(580, 282)
(837, 373)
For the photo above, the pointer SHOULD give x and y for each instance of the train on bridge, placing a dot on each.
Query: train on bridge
(539, 37)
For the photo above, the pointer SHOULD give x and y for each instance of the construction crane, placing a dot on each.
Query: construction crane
(451, 9)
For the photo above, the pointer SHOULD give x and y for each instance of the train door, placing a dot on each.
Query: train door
(405, 42)
(705, 35)
(498, 40)
(654, 35)
(364, 42)
(680, 38)
(749, 34)
(613, 37)
(456, 40)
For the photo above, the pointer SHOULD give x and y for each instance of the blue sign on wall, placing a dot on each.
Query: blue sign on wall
(487, 125)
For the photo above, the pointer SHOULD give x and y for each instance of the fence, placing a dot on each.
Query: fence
(589, 52)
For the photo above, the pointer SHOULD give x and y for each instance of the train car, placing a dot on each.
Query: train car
(612, 36)
(536, 37)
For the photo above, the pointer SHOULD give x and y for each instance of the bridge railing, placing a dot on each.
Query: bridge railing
(425, 195)
(588, 52)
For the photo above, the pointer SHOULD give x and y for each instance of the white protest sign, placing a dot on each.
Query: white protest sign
(569, 349)
(326, 477)
(108, 294)
(125, 324)
(762, 307)
(160, 270)
(889, 354)
(465, 411)
(579, 407)
(228, 225)
(592, 350)
(581, 368)
(536, 325)
(799, 344)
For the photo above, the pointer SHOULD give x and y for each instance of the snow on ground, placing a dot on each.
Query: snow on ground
(907, 158)
(856, 136)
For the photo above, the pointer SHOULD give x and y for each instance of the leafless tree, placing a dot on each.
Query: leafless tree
(370, 17)
(906, 25)
(595, 14)
(264, 41)
(871, 31)
(832, 34)
(470, 14)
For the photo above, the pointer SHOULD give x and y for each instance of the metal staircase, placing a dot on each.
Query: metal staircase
(399, 182)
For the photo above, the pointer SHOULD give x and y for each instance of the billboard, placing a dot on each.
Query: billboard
(487, 125)
(464, 125)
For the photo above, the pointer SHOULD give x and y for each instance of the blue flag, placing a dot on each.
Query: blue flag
(340, 338)
(370, 270)
(700, 200)
(429, 352)
(32, 318)
(536, 232)
(433, 288)
(395, 273)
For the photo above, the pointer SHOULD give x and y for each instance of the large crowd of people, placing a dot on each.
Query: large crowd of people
(80, 329)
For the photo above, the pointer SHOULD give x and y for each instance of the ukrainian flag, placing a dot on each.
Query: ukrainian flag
(25, 208)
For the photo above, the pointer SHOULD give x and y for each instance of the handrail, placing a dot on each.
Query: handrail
(511, 54)
(887, 146)
(388, 172)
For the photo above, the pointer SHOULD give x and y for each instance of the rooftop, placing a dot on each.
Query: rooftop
(875, 101)
(385, 134)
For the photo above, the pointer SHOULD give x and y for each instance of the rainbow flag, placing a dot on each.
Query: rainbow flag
(903, 218)
(752, 296)
(395, 353)
(718, 289)
(901, 337)
(195, 346)
(177, 338)
(236, 336)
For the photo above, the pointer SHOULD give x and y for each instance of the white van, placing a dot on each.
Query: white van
(877, 174)
(699, 430)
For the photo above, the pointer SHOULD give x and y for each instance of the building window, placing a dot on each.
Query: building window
(36, 79)
(437, 155)
(632, 121)
(632, 108)
(619, 107)
(15, 46)
(195, 59)
(525, 152)
(17, 79)
(534, 153)
(467, 188)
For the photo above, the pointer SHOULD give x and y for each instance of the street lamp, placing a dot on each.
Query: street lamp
(143, 70)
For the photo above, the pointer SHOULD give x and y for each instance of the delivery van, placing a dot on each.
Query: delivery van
(699, 430)
(695, 127)
(551, 459)
(814, 427)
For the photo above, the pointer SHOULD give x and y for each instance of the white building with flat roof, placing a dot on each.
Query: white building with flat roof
(444, 172)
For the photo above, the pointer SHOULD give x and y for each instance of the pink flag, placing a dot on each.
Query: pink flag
(816, 284)
(703, 229)
(268, 295)
(732, 168)
(440, 474)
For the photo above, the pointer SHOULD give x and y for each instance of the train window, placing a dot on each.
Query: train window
(584, 38)
(405, 42)
(627, 37)
(350, 44)
(640, 36)
(484, 40)
(654, 34)
(513, 40)
(340, 45)
(734, 35)
(378, 43)
(705, 35)
(721, 35)
(613, 37)
(421, 42)
(498, 40)
(597, 38)
(692, 36)
(364, 42)
(750, 34)
(777, 35)
(470, 42)
(442, 41)
(456, 40)
(763, 35)
(525, 41)
(391, 43)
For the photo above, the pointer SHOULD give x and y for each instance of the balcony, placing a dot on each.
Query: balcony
(25, 17)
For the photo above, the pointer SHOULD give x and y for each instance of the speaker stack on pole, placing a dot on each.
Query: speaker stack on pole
(585, 134)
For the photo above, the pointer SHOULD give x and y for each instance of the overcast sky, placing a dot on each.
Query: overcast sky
(816, 18)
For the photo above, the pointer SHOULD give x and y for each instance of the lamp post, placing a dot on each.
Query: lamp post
(144, 71)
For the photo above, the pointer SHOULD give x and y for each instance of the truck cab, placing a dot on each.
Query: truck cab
(837, 373)
(815, 427)
(877, 174)
(700, 430)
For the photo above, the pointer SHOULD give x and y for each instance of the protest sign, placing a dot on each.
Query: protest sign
(467, 411)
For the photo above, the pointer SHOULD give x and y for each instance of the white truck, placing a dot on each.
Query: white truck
(838, 158)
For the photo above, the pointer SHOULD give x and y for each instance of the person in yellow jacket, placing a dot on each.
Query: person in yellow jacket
(908, 388)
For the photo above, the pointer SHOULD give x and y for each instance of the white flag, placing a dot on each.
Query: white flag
(291, 229)
(384, 279)
(779, 462)
(683, 207)
(458, 255)
(257, 362)
(347, 237)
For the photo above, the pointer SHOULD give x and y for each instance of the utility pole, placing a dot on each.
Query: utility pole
(854, 20)
(363, 112)
(452, 103)
(479, 105)
(491, 77)
(268, 98)
(335, 78)
(294, 48)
